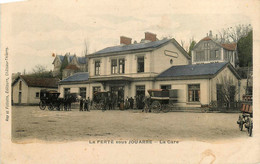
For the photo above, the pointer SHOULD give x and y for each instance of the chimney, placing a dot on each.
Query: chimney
(150, 36)
(210, 33)
(125, 40)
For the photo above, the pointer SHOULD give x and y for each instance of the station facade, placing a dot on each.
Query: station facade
(129, 70)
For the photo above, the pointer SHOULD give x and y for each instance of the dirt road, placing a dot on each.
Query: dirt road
(30, 123)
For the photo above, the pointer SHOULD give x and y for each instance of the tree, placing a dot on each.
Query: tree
(40, 71)
(192, 44)
(233, 34)
(226, 90)
(86, 47)
(245, 49)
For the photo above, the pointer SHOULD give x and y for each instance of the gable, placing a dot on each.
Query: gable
(201, 45)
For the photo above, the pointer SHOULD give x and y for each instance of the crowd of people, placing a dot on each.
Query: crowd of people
(111, 103)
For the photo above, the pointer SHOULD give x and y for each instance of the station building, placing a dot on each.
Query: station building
(129, 70)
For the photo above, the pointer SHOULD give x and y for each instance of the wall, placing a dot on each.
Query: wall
(182, 86)
(212, 46)
(24, 90)
(161, 62)
(56, 65)
(32, 99)
(224, 74)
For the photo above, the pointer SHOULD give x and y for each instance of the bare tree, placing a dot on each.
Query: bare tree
(227, 90)
(86, 47)
(39, 69)
(233, 34)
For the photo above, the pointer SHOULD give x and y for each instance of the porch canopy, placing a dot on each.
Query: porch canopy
(112, 81)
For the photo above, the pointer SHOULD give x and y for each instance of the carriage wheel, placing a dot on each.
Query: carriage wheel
(57, 106)
(241, 123)
(165, 108)
(156, 107)
(42, 105)
(250, 127)
(50, 106)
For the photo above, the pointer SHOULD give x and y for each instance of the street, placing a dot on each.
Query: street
(30, 123)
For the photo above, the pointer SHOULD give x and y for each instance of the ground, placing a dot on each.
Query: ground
(30, 123)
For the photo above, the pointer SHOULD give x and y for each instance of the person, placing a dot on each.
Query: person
(81, 104)
(86, 105)
(146, 102)
(109, 103)
(131, 101)
(69, 104)
(65, 103)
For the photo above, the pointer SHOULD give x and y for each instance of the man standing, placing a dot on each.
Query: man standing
(81, 104)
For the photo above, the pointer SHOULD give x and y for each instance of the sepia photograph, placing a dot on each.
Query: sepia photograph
(129, 82)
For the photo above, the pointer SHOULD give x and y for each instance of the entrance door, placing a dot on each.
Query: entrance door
(20, 97)
(119, 93)
(140, 93)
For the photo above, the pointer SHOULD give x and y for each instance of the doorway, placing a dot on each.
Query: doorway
(118, 91)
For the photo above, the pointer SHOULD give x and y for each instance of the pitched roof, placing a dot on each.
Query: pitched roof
(77, 77)
(82, 60)
(230, 46)
(206, 38)
(72, 67)
(193, 70)
(40, 81)
(132, 47)
(61, 57)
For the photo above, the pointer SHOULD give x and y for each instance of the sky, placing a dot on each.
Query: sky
(34, 29)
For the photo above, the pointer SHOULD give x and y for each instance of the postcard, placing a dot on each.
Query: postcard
(130, 81)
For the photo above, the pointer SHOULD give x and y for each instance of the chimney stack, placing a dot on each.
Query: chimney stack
(125, 40)
(210, 33)
(150, 36)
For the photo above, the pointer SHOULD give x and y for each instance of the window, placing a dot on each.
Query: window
(194, 93)
(82, 92)
(66, 91)
(20, 85)
(200, 56)
(37, 94)
(113, 66)
(140, 64)
(121, 66)
(166, 86)
(97, 67)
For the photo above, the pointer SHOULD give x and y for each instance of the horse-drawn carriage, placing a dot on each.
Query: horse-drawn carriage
(161, 99)
(102, 99)
(50, 99)
(246, 116)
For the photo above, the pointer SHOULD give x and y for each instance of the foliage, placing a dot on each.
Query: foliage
(192, 44)
(245, 50)
(40, 71)
(233, 34)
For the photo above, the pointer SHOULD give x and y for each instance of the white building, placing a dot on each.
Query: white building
(26, 89)
(129, 70)
(207, 50)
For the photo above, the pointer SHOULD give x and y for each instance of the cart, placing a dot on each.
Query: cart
(245, 119)
(50, 99)
(162, 99)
